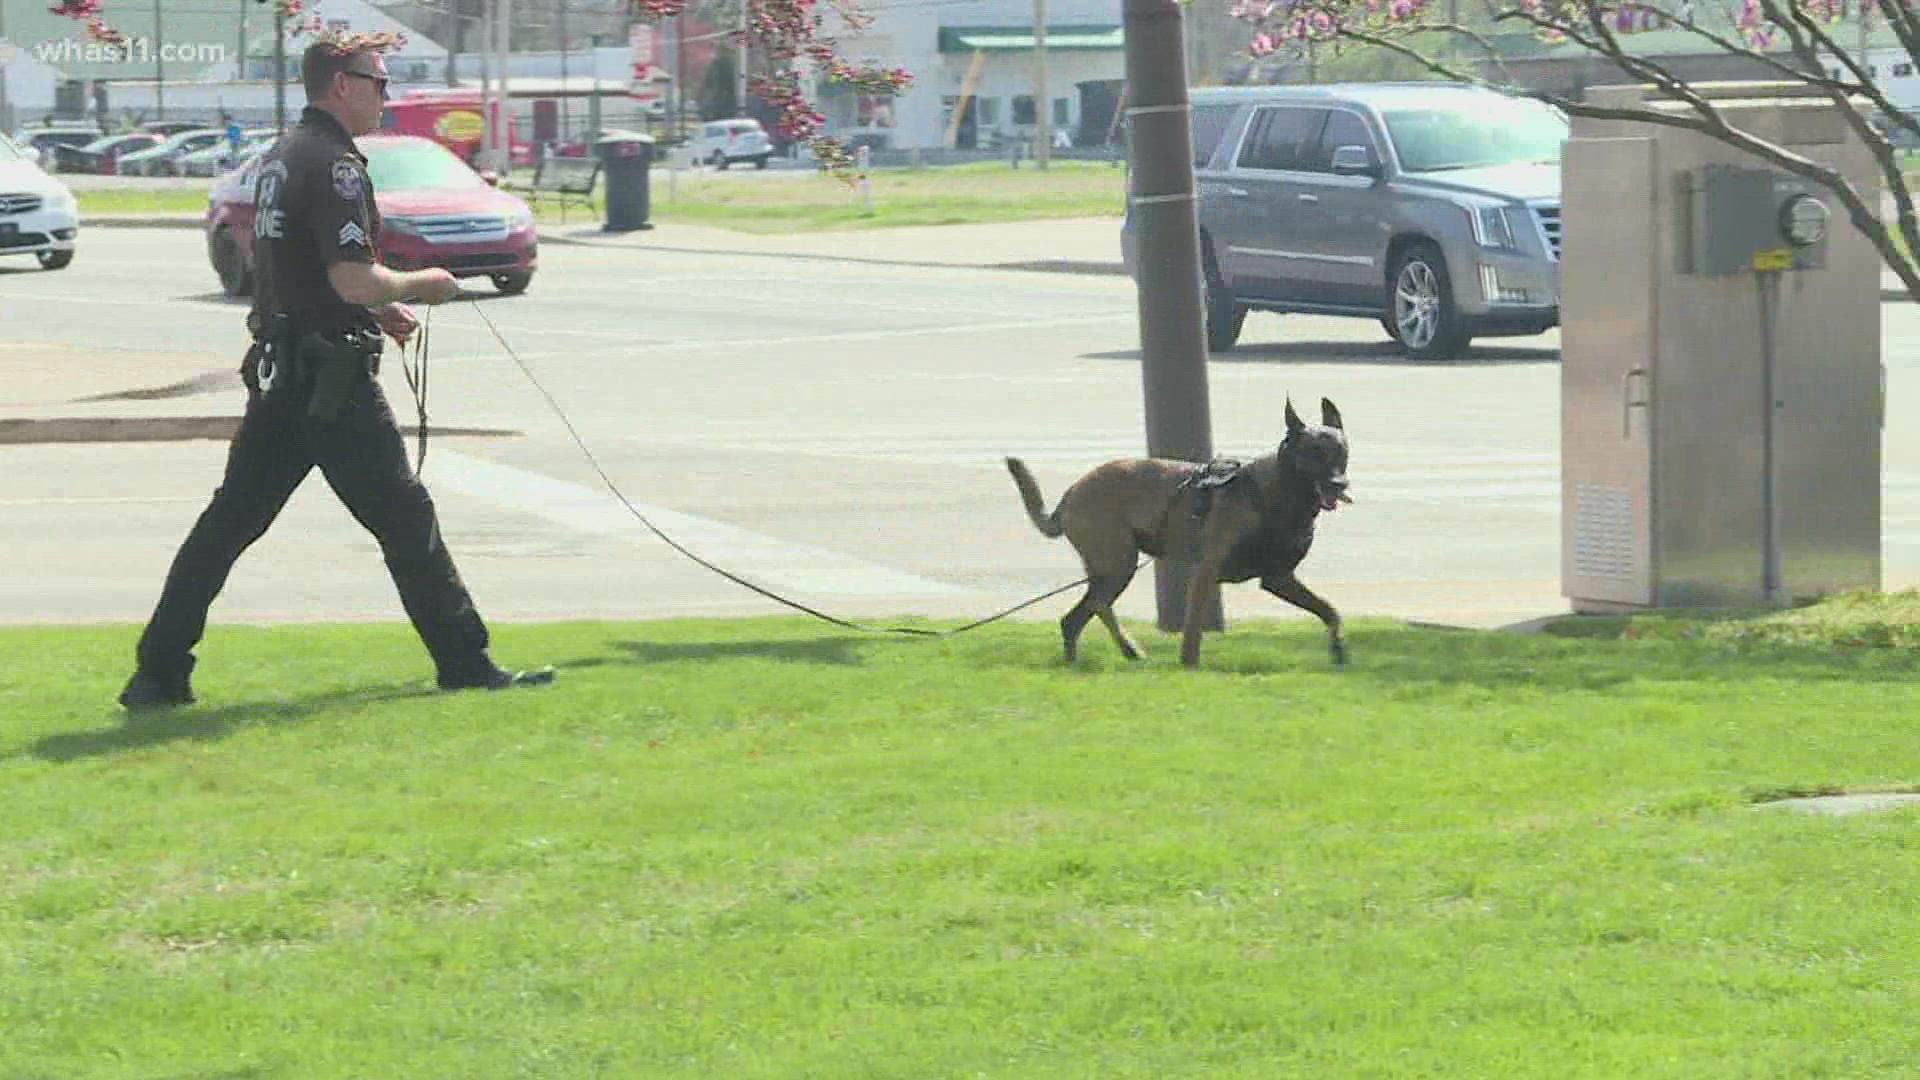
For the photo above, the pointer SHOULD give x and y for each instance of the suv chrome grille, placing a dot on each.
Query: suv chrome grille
(462, 229)
(1548, 218)
(19, 203)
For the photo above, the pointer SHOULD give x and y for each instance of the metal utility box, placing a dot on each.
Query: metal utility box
(1721, 382)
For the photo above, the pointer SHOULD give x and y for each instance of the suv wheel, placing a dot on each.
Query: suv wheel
(1420, 303)
(1224, 317)
(55, 260)
(514, 283)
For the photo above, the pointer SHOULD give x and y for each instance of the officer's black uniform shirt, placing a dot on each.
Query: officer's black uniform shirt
(313, 207)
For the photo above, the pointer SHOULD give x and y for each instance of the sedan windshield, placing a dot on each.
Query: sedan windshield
(1497, 131)
(9, 152)
(402, 166)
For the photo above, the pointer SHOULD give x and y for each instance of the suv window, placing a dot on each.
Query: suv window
(1343, 129)
(1278, 138)
(1500, 131)
(1209, 123)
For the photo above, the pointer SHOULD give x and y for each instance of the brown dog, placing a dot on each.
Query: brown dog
(1258, 524)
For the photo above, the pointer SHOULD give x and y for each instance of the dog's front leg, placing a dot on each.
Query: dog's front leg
(1288, 588)
(1199, 589)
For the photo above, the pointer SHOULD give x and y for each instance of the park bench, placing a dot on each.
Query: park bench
(565, 180)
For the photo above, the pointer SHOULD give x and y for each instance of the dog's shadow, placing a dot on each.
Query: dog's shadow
(1383, 353)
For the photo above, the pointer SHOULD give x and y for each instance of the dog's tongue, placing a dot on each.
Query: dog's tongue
(1329, 503)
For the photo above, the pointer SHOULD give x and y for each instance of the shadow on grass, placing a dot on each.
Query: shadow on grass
(840, 649)
(1397, 657)
(141, 730)
(135, 731)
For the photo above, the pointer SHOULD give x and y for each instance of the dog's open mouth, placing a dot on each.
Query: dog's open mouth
(1330, 499)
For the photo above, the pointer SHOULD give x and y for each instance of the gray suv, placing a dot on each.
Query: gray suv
(1432, 207)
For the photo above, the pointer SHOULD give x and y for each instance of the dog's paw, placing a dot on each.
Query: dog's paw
(1339, 650)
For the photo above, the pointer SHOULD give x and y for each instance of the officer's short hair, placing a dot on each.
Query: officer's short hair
(325, 59)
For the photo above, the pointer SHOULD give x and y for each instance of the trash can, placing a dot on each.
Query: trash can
(625, 159)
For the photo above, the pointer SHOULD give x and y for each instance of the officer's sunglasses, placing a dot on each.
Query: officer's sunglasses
(378, 81)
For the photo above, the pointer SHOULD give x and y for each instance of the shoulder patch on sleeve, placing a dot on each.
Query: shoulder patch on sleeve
(352, 235)
(346, 180)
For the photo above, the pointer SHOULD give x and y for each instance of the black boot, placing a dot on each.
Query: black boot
(147, 691)
(487, 675)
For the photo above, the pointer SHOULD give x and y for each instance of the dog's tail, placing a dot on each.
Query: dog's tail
(1048, 524)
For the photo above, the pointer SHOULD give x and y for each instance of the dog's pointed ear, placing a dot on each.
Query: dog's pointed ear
(1294, 426)
(1329, 415)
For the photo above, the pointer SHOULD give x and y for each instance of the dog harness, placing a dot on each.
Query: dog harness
(1208, 478)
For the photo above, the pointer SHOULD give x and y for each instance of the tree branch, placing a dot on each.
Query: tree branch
(1704, 119)
(1904, 22)
(1798, 27)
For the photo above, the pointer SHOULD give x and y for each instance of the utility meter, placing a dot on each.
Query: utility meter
(1741, 220)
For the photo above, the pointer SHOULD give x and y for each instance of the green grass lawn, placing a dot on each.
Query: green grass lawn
(958, 194)
(955, 194)
(762, 848)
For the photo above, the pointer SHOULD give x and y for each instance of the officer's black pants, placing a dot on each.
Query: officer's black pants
(364, 459)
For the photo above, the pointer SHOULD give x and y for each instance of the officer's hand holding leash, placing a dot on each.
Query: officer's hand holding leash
(397, 321)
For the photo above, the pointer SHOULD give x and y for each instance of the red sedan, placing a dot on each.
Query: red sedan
(434, 210)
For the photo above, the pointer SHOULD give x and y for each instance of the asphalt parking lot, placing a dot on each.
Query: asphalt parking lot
(831, 428)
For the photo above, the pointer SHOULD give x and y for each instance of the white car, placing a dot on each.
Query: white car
(38, 215)
(723, 142)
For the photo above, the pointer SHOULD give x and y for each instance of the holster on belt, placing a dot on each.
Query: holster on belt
(331, 363)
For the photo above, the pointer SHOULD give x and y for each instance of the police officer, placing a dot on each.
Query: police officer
(321, 304)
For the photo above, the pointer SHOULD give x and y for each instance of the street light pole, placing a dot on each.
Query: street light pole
(6, 109)
(1173, 348)
(503, 139)
(740, 65)
(1042, 100)
(279, 70)
(159, 61)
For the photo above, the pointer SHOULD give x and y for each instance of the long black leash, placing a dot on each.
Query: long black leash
(415, 369)
(420, 393)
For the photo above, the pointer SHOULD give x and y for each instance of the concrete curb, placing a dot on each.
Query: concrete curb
(142, 221)
(130, 429)
(1058, 266)
(1049, 265)
(1045, 266)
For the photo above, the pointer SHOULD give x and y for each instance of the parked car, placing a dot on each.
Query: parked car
(100, 155)
(1433, 208)
(723, 142)
(38, 215)
(39, 143)
(167, 129)
(435, 212)
(161, 160)
(222, 156)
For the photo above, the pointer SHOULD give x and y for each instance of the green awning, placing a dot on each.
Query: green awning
(966, 39)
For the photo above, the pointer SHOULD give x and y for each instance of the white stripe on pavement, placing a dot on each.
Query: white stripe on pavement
(768, 561)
